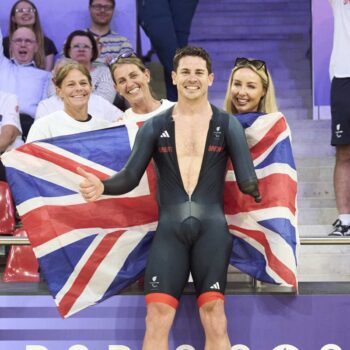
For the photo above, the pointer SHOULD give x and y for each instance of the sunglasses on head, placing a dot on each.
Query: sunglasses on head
(125, 54)
(257, 64)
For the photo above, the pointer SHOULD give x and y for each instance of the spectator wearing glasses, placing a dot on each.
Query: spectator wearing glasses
(25, 14)
(81, 47)
(20, 76)
(111, 43)
(132, 79)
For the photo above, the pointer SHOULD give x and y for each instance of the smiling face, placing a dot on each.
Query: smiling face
(192, 78)
(24, 15)
(23, 45)
(132, 82)
(101, 12)
(247, 90)
(74, 90)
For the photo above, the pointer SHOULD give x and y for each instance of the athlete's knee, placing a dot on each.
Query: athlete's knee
(213, 318)
(159, 317)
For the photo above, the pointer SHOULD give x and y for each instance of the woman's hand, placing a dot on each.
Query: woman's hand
(91, 187)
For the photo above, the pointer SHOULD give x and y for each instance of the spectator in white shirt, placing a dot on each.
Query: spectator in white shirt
(10, 127)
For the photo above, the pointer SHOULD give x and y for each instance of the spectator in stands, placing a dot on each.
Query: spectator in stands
(340, 110)
(111, 43)
(250, 88)
(10, 127)
(132, 80)
(25, 14)
(167, 23)
(81, 47)
(21, 77)
(97, 106)
(74, 87)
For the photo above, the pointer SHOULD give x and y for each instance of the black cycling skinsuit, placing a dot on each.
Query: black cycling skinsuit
(192, 233)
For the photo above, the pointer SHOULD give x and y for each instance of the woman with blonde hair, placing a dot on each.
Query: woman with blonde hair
(25, 14)
(250, 88)
(74, 86)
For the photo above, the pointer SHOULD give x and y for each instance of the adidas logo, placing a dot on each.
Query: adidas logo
(216, 285)
(165, 134)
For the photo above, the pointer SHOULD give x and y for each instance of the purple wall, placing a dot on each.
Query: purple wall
(60, 17)
(279, 322)
(322, 41)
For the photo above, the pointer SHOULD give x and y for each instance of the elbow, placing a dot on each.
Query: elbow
(121, 183)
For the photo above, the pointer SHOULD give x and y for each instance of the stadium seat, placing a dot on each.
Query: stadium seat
(21, 265)
(7, 210)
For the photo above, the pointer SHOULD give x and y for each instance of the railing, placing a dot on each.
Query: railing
(10, 240)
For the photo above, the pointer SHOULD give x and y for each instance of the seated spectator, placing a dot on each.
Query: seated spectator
(10, 127)
(132, 80)
(111, 43)
(74, 87)
(25, 14)
(97, 106)
(19, 75)
(81, 47)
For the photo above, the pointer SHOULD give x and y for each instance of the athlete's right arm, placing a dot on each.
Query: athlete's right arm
(129, 177)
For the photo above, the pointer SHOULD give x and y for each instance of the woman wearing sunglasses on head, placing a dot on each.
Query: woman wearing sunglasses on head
(250, 88)
(25, 14)
(132, 79)
(250, 97)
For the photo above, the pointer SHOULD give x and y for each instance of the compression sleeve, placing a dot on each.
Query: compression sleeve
(241, 159)
(129, 177)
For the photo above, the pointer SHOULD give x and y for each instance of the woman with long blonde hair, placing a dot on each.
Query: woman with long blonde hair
(250, 88)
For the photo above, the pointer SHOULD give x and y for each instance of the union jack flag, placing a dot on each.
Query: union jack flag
(90, 251)
(266, 237)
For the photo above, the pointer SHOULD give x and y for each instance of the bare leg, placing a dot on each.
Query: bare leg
(342, 179)
(159, 319)
(214, 322)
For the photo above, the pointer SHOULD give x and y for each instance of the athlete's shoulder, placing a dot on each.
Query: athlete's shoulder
(162, 117)
(219, 113)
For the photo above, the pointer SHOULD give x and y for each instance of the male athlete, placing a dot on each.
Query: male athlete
(190, 144)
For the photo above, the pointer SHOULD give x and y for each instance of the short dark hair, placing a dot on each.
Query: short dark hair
(89, 35)
(191, 51)
(112, 1)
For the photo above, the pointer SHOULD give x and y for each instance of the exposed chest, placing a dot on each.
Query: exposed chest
(190, 138)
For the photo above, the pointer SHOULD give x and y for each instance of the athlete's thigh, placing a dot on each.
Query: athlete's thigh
(210, 257)
(168, 263)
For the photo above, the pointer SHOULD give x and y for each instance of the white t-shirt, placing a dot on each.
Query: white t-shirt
(9, 115)
(98, 107)
(60, 123)
(340, 59)
(130, 116)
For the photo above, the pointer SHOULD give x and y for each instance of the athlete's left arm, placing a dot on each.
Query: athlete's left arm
(241, 159)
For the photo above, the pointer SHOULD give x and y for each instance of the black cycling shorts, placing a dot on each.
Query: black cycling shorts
(198, 243)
